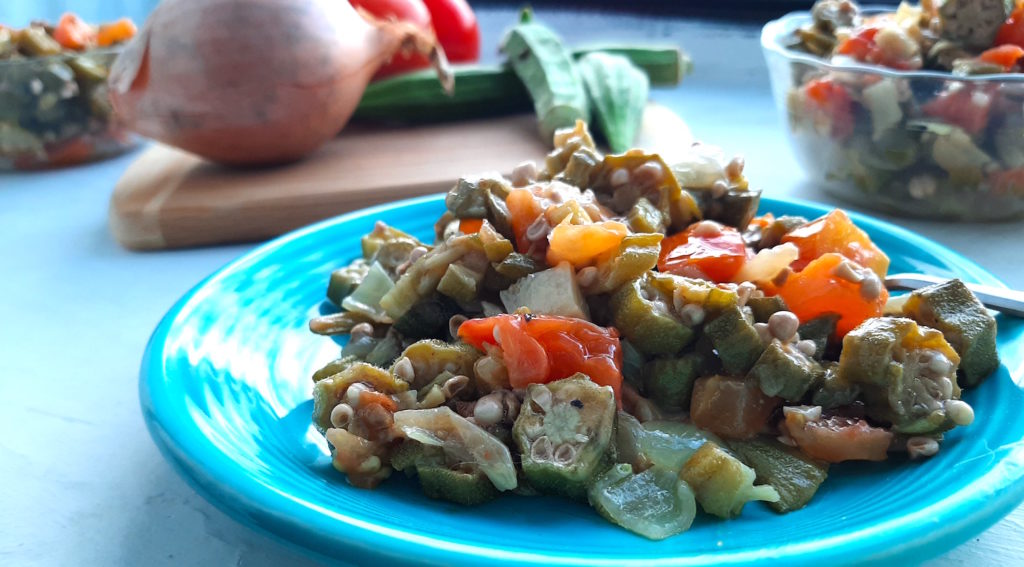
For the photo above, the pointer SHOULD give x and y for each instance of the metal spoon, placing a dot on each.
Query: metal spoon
(1007, 301)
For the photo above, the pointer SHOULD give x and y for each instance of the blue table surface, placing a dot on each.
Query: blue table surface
(83, 483)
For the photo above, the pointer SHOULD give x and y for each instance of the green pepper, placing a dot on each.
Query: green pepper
(632, 364)
(794, 475)
(654, 503)
(642, 312)
(763, 307)
(907, 374)
(721, 483)
(548, 72)
(784, 371)
(953, 309)
(563, 432)
(668, 382)
(617, 91)
(736, 340)
(345, 280)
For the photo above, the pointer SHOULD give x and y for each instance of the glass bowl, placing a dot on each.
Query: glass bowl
(54, 111)
(911, 143)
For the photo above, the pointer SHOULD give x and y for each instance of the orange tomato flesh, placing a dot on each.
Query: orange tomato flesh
(718, 257)
(1005, 56)
(817, 291)
(835, 232)
(116, 32)
(73, 33)
(470, 226)
(523, 210)
(542, 348)
(367, 397)
(582, 244)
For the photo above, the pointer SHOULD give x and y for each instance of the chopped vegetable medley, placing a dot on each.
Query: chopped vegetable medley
(625, 332)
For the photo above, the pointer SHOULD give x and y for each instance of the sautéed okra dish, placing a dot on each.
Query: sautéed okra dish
(626, 332)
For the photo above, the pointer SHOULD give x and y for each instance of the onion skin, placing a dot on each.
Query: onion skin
(253, 82)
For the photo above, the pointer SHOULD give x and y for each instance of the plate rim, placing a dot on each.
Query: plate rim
(285, 519)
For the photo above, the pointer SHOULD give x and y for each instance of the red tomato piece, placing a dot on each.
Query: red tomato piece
(1012, 32)
(834, 102)
(523, 209)
(962, 106)
(1005, 56)
(413, 11)
(706, 249)
(456, 28)
(73, 33)
(837, 439)
(542, 348)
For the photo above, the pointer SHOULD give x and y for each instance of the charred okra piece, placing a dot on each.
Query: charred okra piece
(654, 503)
(794, 475)
(563, 432)
(669, 381)
(736, 340)
(953, 309)
(642, 312)
(907, 374)
(785, 371)
(721, 483)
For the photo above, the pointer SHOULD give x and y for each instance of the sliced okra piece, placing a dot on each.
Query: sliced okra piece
(460, 283)
(645, 217)
(654, 503)
(736, 340)
(784, 371)
(833, 392)
(421, 362)
(427, 318)
(763, 307)
(953, 309)
(385, 351)
(907, 375)
(669, 381)
(637, 255)
(469, 488)
(330, 391)
(334, 367)
(563, 432)
(794, 475)
(643, 314)
(408, 455)
(721, 483)
(632, 364)
(818, 330)
(345, 280)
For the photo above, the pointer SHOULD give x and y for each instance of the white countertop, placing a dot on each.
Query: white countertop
(83, 482)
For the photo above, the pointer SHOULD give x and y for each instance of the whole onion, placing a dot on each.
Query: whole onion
(246, 82)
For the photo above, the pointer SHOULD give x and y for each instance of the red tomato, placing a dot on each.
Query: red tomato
(73, 33)
(860, 45)
(456, 29)
(834, 102)
(706, 249)
(965, 107)
(1005, 56)
(1010, 181)
(835, 232)
(837, 439)
(1012, 32)
(412, 11)
(543, 348)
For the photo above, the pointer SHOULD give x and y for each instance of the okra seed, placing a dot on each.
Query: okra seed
(341, 415)
(734, 169)
(744, 291)
(847, 271)
(707, 229)
(586, 276)
(619, 177)
(538, 229)
(370, 465)
(533, 430)
(352, 394)
(871, 287)
(650, 173)
(406, 399)
(487, 410)
(361, 330)
(960, 412)
(540, 396)
(807, 413)
(945, 386)
(940, 365)
(565, 453)
(918, 447)
(404, 370)
(454, 323)
(783, 325)
(454, 385)
(763, 333)
(692, 314)
(524, 173)
(807, 347)
(509, 406)
(719, 188)
(921, 186)
(541, 450)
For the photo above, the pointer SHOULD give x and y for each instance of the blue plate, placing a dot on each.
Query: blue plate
(225, 390)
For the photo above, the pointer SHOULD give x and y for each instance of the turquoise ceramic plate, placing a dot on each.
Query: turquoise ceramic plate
(225, 390)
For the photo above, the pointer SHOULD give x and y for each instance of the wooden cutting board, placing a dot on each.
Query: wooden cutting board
(171, 199)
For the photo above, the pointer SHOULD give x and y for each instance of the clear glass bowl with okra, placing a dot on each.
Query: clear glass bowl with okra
(54, 109)
(626, 332)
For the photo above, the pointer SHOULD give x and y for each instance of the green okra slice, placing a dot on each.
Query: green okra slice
(668, 382)
(467, 487)
(642, 312)
(549, 74)
(345, 280)
(784, 371)
(428, 317)
(654, 503)
(794, 475)
(763, 307)
(334, 367)
(563, 432)
(819, 330)
(833, 392)
(953, 309)
(721, 483)
(329, 392)
(736, 340)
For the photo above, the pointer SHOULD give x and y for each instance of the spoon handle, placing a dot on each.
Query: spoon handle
(1004, 300)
